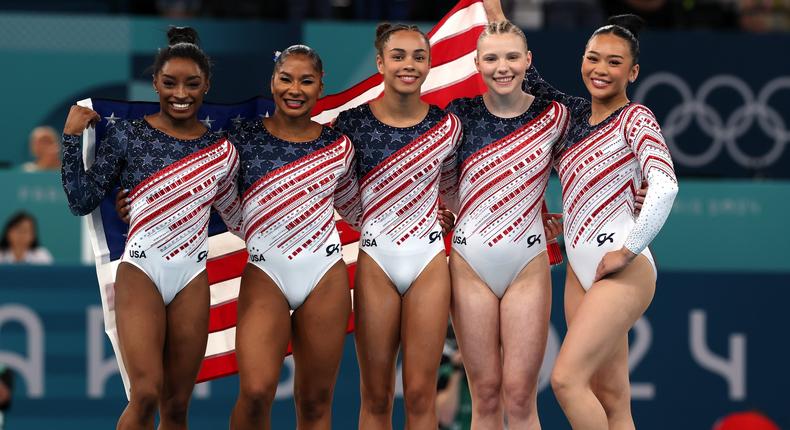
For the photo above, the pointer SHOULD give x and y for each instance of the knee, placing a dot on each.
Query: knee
(420, 397)
(378, 400)
(174, 410)
(256, 398)
(614, 395)
(564, 382)
(144, 397)
(314, 404)
(520, 397)
(487, 395)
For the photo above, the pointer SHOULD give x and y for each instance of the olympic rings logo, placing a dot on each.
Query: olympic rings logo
(724, 133)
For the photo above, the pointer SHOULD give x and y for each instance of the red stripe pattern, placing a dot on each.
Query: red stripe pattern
(600, 174)
(170, 209)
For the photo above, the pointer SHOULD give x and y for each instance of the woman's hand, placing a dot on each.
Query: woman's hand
(446, 219)
(552, 225)
(122, 205)
(613, 262)
(494, 10)
(79, 119)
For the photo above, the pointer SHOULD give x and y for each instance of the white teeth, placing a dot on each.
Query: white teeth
(408, 78)
(503, 80)
(181, 106)
(599, 83)
(294, 103)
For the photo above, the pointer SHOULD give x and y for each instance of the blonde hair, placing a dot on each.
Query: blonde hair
(503, 27)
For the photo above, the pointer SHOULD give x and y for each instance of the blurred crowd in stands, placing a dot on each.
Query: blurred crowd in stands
(747, 15)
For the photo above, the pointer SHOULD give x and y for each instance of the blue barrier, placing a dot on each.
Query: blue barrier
(711, 343)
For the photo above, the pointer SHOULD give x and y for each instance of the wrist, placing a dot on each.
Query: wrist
(627, 253)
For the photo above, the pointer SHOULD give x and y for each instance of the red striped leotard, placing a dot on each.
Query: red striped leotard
(505, 165)
(402, 173)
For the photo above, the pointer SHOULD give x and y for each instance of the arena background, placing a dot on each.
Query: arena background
(714, 340)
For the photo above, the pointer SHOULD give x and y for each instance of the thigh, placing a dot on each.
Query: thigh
(319, 329)
(574, 293)
(377, 317)
(606, 313)
(475, 315)
(524, 318)
(187, 332)
(426, 307)
(141, 320)
(263, 329)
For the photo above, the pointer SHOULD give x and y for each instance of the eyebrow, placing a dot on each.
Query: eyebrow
(189, 78)
(608, 56)
(306, 75)
(401, 50)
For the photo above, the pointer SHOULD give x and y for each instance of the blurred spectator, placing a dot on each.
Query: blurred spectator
(453, 400)
(657, 13)
(178, 8)
(745, 421)
(19, 242)
(572, 14)
(430, 11)
(6, 387)
(45, 148)
(764, 15)
(713, 14)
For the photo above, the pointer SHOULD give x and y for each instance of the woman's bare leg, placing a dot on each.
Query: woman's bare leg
(185, 346)
(606, 313)
(262, 334)
(141, 321)
(423, 329)
(475, 311)
(319, 329)
(524, 318)
(377, 322)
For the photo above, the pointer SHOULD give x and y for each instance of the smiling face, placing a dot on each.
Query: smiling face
(181, 85)
(404, 62)
(502, 60)
(296, 86)
(607, 67)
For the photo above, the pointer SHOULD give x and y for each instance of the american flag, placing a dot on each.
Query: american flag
(453, 74)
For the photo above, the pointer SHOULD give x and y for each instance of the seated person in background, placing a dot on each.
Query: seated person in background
(453, 400)
(19, 242)
(6, 385)
(45, 148)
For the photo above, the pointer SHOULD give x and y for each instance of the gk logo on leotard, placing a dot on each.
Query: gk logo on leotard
(459, 240)
(137, 254)
(603, 238)
(202, 256)
(435, 235)
(255, 258)
(535, 238)
(332, 249)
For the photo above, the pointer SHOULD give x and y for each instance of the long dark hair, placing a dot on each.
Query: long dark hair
(13, 222)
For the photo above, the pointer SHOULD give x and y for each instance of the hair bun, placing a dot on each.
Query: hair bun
(629, 21)
(177, 35)
(383, 28)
